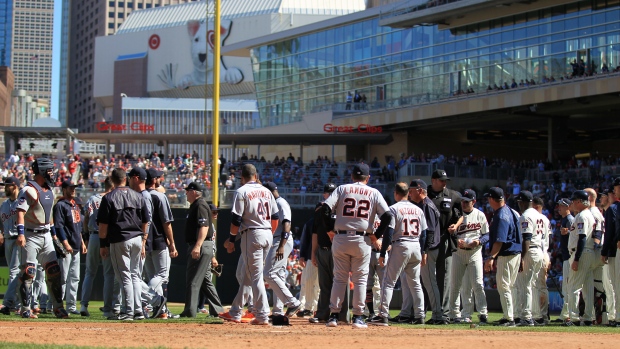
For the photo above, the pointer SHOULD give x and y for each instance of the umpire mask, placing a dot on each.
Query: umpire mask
(45, 168)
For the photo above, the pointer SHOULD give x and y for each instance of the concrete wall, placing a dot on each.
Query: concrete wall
(6, 88)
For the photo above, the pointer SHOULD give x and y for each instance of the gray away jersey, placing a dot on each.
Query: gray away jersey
(255, 204)
(284, 213)
(9, 217)
(408, 221)
(355, 206)
(92, 210)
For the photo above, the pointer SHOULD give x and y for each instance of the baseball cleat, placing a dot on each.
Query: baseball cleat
(61, 313)
(259, 322)
(586, 323)
(305, 314)
(358, 322)
(203, 311)
(568, 323)
(611, 323)
(398, 319)
(159, 309)
(226, 316)
(539, 322)
(507, 324)
(416, 321)
(458, 321)
(483, 320)
(162, 316)
(36, 311)
(5, 310)
(247, 317)
(291, 311)
(333, 320)
(74, 312)
(172, 315)
(29, 315)
(316, 320)
(525, 323)
(379, 321)
(138, 316)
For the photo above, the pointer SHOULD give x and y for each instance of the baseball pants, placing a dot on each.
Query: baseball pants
(564, 314)
(526, 281)
(70, 267)
(443, 277)
(309, 294)
(111, 287)
(429, 280)
(275, 275)
(506, 276)
(462, 260)
(615, 275)
(12, 255)
(156, 270)
(374, 271)
(540, 293)
(198, 279)
(40, 298)
(404, 259)
(467, 293)
(351, 255)
(598, 279)
(579, 281)
(325, 268)
(126, 258)
(39, 250)
(244, 295)
(610, 291)
(255, 246)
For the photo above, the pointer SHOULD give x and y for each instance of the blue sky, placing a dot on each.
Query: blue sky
(56, 58)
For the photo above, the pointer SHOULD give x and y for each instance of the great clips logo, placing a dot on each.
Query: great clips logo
(134, 126)
(363, 128)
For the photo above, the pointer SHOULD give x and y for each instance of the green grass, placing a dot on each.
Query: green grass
(97, 316)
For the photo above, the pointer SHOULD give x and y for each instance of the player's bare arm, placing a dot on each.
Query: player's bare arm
(286, 230)
(145, 227)
(488, 264)
(170, 240)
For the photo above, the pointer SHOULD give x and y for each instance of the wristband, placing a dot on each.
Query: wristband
(285, 235)
(20, 229)
(232, 238)
(53, 230)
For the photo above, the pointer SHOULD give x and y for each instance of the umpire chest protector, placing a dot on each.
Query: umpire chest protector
(45, 199)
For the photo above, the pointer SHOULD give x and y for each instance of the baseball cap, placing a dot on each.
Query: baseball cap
(78, 201)
(616, 181)
(417, 184)
(11, 181)
(194, 186)
(495, 193)
(361, 170)
(525, 196)
(564, 202)
(271, 186)
(67, 184)
(579, 195)
(440, 174)
(468, 195)
(139, 172)
(603, 192)
(154, 173)
(329, 187)
(213, 208)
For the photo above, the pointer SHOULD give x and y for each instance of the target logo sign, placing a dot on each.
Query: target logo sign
(154, 41)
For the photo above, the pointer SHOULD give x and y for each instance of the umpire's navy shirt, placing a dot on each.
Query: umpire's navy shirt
(504, 229)
(124, 211)
(431, 213)
(566, 222)
(67, 217)
(609, 243)
(199, 215)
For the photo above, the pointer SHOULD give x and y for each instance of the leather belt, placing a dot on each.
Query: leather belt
(405, 240)
(38, 230)
(14, 237)
(325, 248)
(94, 232)
(466, 249)
(358, 233)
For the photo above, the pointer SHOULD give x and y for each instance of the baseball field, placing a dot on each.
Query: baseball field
(204, 332)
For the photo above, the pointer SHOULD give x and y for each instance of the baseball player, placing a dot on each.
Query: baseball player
(505, 242)
(471, 235)
(255, 217)
(608, 254)
(210, 293)
(565, 224)
(406, 233)
(355, 206)
(600, 282)
(34, 222)
(375, 271)
(68, 223)
(615, 276)
(309, 293)
(277, 258)
(540, 291)
(111, 287)
(123, 219)
(581, 247)
(8, 212)
(531, 228)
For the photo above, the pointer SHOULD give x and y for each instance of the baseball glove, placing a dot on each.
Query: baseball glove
(61, 251)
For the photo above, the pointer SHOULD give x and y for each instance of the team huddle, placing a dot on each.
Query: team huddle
(431, 240)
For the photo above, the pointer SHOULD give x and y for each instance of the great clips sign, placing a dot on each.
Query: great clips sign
(363, 128)
(134, 126)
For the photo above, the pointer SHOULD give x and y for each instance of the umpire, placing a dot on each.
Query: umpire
(323, 260)
(199, 234)
(448, 202)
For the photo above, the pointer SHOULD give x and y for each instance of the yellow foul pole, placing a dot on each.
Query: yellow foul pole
(215, 175)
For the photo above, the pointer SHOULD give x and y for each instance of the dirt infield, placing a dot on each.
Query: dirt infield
(300, 335)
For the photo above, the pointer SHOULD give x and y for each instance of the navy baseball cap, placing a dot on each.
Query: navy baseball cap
(468, 195)
(11, 181)
(329, 187)
(78, 201)
(361, 170)
(417, 184)
(137, 172)
(213, 208)
(525, 196)
(154, 173)
(579, 195)
(603, 192)
(67, 184)
(440, 174)
(495, 193)
(564, 202)
(194, 186)
(271, 186)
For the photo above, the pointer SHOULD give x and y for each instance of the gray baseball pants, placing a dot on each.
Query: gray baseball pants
(198, 278)
(429, 280)
(12, 255)
(111, 287)
(244, 295)
(126, 258)
(405, 259)
(275, 275)
(351, 255)
(325, 262)
(70, 267)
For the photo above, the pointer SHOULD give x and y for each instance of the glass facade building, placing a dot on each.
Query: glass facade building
(416, 65)
(6, 31)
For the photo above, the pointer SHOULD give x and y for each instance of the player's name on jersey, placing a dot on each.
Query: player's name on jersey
(408, 210)
(259, 194)
(354, 189)
(464, 228)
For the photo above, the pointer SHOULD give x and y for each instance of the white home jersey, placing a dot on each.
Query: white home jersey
(531, 222)
(473, 227)
(599, 221)
(355, 206)
(255, 204)
(408, 221)
(583, 224)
